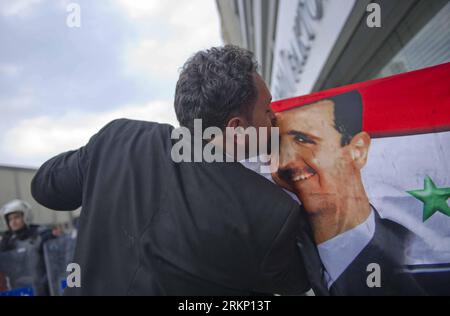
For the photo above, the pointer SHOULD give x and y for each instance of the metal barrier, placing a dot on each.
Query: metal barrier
(58, 253)
(18, 273)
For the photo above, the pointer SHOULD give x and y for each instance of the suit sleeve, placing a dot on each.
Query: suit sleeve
(58, 184)
(282, 268)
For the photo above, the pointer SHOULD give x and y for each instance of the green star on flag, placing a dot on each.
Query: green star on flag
(434, 199)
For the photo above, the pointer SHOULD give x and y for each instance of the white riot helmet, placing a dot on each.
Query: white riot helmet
(16, 206)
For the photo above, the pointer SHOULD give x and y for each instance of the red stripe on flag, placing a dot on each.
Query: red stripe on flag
(411, 103)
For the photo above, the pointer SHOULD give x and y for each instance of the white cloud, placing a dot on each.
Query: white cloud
(9, 70)
(168, 32)
(33, 141)
(18, 102)
(154, 59)
(189, 26)
(17, 7)
(139, 9)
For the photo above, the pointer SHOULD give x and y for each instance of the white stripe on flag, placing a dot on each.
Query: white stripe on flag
(400, 164)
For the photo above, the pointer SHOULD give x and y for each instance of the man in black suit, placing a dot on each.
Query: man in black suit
(151, 226)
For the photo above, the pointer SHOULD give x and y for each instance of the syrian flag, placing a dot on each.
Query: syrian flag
(407, 176)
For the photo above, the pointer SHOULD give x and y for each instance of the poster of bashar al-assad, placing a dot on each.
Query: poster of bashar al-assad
(370, 164)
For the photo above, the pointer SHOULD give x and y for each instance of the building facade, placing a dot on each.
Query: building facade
(311, 45)
(15, 184)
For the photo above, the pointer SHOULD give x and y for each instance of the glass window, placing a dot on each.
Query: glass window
(429, 47)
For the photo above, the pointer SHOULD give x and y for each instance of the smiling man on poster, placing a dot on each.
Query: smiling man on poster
(348, 154)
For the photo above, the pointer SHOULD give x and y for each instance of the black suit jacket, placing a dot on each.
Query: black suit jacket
(152, 226)
(386, 248)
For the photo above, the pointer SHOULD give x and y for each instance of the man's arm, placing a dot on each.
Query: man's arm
(58, 184)
(283, 268)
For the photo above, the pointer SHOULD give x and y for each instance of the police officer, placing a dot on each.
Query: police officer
(21, 235)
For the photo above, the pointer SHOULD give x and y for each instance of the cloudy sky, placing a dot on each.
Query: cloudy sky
(59, 85)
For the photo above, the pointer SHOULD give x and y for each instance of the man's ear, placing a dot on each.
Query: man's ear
(234, 122)
(359, 147)
(237, 124)
(278, 118)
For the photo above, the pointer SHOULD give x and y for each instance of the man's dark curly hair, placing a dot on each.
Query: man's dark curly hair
(214, 85)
